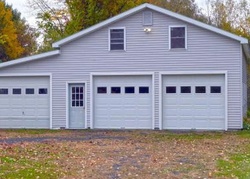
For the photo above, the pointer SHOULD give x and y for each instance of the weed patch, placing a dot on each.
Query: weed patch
(236, 166)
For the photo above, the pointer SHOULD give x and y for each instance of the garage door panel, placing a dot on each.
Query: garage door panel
(217, 102)
(18, 123)
(171, 112)
(15, 101)
(30, 112)
(194, 110)
(201, 112)
(24, 110)
(184, 101)
(15, 113)
(216, 112)
(184, 123)
(127, 109)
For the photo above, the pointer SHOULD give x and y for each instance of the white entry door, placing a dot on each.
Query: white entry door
(194, 102)
(77, 106)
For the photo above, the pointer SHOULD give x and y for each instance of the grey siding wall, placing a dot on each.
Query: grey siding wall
(244, 85)
(146, 52)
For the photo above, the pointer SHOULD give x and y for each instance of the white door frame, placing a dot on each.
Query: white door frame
(161, 74)
(37, 75)
(92, 75)
(68, 83)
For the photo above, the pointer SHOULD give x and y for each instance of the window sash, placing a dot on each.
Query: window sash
(177, 37)
(117, 39)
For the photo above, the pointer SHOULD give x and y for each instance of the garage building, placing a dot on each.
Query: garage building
(147, 68)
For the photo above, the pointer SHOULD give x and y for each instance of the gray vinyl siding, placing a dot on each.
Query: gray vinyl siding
(244, 85)
(146, 52)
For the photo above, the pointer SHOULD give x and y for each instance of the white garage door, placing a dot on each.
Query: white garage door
(24, 102)
(194, 102)
(123, 102)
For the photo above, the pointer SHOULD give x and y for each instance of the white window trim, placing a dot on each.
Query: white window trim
(173, 26)
(124, 41)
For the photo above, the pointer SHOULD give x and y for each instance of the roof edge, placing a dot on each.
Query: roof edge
(242, 40)
(29, 58)
(156, 8)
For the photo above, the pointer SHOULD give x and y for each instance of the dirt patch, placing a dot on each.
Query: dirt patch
(125, 154)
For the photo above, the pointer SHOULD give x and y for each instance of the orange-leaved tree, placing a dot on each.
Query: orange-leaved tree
(10, 48)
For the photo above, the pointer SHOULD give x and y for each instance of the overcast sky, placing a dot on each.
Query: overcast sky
(21, 6)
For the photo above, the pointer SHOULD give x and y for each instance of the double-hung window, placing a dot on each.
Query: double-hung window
(178, 37)
(117, 39)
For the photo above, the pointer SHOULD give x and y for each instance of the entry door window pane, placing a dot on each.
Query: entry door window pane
(215, 89)
(77, 99)
(200, 89)
(129, 90)
(115, 90)
(185, 89)
(170, 89)
(4, 91)
(16, 91)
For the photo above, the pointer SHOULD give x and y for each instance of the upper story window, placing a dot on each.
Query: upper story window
(117, 39)
(178, 37)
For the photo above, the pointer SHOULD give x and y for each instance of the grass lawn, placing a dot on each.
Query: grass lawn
(133, 154)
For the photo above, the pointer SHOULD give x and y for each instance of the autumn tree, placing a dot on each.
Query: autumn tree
(17, 38)
(26, 35)
(10, 47)
(230, 15)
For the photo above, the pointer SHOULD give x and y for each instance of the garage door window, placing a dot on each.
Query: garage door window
(215, 89)
(43, 91)
(115, 90)
(101, 90)
(30, 91)
(143, 89)
(170, 89)
(17, 91)
(200, 89)
(3, 91)
(129, 90)
(185, 89)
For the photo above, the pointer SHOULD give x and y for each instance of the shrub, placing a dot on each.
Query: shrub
(246, 124)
